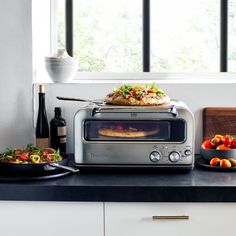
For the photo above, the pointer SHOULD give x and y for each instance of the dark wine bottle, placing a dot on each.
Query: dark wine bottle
(58, 131)
(42, 129)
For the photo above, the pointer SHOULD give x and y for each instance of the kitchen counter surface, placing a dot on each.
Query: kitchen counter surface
(195, 186)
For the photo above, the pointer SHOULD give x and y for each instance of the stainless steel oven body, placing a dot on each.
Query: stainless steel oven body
(160, 137)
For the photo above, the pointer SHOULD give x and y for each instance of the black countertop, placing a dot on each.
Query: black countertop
(195, 186)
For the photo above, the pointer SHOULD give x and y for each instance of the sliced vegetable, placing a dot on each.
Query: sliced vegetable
(30, 155)
(35, 158)
(22, 157)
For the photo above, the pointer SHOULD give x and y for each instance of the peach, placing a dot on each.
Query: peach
(232, 161)
(225, 163)
(215, 161)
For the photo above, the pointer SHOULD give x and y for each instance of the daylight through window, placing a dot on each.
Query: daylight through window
(185, 36)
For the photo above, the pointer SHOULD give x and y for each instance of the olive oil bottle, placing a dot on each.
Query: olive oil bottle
(58, 131)
(42, 129)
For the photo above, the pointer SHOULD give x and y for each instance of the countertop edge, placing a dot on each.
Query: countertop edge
(119, 193)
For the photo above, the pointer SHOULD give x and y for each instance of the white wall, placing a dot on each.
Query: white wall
(15, 73)
(16, 108)
(195, 95)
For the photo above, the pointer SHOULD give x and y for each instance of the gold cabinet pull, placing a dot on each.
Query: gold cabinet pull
(170, 217)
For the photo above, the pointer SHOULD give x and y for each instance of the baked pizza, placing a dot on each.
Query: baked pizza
(127, 132)
(134, 95)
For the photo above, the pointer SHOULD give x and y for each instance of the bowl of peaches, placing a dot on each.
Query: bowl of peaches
(219, 151)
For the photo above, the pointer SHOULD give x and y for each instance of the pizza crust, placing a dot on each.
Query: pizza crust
(146, 101)
(126, 133)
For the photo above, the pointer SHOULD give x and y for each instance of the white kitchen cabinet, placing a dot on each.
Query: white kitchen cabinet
(51, 218)
(205, 219)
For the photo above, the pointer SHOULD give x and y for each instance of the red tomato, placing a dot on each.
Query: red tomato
(233, 144)
(216, 141)
(226, 139)
(22, 157)
(151, 91)
(49, 150)
(207, 144)
(49, 158)
(223, 147)
(26, 154)
(18, 152)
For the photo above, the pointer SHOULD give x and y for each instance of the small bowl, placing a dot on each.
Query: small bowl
(61, 72)
(60, 60)
(208, 154)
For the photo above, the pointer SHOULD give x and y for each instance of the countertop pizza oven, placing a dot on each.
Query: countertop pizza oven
(148, 137)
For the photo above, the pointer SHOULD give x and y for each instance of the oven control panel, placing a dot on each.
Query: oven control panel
(165, 154)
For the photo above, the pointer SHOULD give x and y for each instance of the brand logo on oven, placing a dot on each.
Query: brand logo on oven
(133, 114)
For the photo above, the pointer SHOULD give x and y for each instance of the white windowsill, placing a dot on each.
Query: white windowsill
(147, 77)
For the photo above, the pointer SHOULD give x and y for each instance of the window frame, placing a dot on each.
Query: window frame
(146, 33)
(223, 35)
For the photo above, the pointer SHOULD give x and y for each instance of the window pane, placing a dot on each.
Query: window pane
(185, 35)
(58, 24)
(232, 36)
(108, 35)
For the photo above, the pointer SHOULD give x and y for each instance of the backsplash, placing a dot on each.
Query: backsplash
(196, 96)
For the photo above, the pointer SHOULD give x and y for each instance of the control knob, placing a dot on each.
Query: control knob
(174, 156)
(155, 156)
(187, 152)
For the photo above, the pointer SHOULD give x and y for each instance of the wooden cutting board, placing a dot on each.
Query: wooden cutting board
(219, 120)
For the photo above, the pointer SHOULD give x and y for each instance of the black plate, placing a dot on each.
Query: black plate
(201, 163)
(6, 177)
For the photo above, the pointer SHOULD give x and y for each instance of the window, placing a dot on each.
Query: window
(107, 35)
(149, 35)
(184, 35)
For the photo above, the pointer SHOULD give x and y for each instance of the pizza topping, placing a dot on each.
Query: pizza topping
(132, 129)
(137, 92)
(119, 127)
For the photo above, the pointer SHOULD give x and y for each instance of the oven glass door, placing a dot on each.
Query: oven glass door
(135, 130)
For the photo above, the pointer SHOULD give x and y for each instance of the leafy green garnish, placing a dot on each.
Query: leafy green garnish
(7, 152)
(125, 89)
(159, 91)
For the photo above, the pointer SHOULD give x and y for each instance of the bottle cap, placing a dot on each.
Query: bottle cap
(41, 88)
(57, 110)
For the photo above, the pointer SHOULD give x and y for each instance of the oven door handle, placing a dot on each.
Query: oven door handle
(171, 111)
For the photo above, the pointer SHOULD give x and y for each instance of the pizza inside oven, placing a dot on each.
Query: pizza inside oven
(127, 131)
